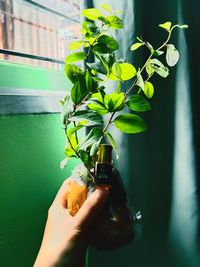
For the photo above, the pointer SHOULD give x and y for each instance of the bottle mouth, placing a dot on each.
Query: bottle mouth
(104, 154)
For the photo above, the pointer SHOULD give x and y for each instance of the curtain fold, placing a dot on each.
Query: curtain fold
(161, 167)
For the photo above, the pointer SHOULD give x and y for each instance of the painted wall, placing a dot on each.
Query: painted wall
(31, 148)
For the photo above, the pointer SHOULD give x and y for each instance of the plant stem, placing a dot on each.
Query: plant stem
(76, 134)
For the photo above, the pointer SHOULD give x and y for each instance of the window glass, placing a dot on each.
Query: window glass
(41, 28)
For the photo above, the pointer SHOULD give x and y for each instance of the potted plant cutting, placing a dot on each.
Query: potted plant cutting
(91, 105)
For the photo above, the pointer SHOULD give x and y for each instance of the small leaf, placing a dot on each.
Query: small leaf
(114, 101)
(78, 93)
(76, 57)
(140, 81)
(71, 131)
(150, 71)
(104, 20)
(89, 81)
(157, 52)
(91, 13)
(73, 72)
(94, 147)
(172, 55)
(136, 46)
(112, 142)
(130, 123)
(92, 137)
(105, 44)
(97, 79)
(138, 103)
(69, 152)
(92, 117)
(106, 7)
(123, 71)
(64, 162)
(97, 66)
(66, 109)
(115, 22)
(75, 45)
(148, 89)
(159, 68)
(99, 108)
(96, 104)
(84, 157)
(166, 26)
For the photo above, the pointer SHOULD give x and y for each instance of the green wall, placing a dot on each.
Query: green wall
(31, 148)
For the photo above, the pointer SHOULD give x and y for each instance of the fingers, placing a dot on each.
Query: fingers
(62, 195)
(91, 207)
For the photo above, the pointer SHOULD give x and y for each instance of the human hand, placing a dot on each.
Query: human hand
(65, 237)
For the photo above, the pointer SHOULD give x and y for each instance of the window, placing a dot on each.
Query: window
(38, 32)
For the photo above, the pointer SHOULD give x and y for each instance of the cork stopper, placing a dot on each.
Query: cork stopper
(105, 154)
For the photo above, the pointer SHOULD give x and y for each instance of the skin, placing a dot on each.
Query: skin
(65, 237)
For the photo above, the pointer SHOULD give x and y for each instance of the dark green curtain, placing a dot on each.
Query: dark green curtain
(161, 167)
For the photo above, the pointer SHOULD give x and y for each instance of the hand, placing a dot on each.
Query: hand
(65, 237)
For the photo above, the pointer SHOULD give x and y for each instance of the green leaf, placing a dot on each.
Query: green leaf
(89, 81)
(92, 137)
(94, 147)
(172, 55)
(96, 104)
(75, 45)
(136, 46)
(66, 109)
(75, 57)
(69, 152)
(64, 162)
(112, 142)
(167, 25)
(78, 92)
(71, 131)
(106, 7)
(97, 79)
(138, 103)
(73, 72)
(104, 19)
(122, 71)
(128, 71)
(97, 66)
(91, 13)
(89, 30)
(150, 71)
(114, 22)
(140, 81)
(159, 68)
(105, 44)
(114, 101)
(99, 108)
(92, 117)
(157, 52)
(148, 89)
(84, 156)
(130, 123)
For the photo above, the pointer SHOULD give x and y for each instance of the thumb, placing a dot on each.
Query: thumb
(91, 207)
